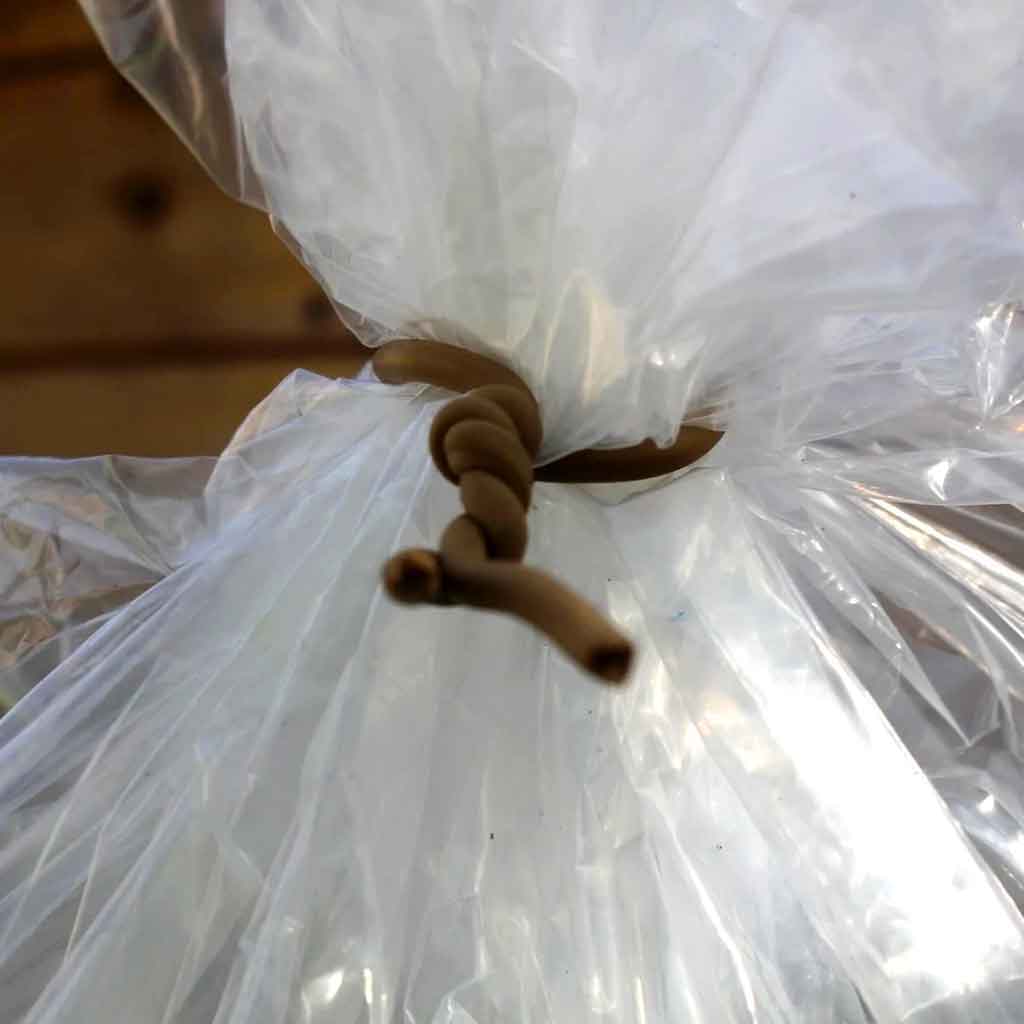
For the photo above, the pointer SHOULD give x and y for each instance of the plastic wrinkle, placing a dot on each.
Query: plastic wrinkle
(240, 786)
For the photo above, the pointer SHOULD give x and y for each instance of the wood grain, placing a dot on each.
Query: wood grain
(144, 311)
(163, 410)
(33, 27)
(112, 230)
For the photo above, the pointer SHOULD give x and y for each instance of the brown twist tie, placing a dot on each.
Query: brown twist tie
(485, 443)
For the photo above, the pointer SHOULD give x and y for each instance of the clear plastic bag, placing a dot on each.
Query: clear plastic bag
(639, 206)
(258, 792)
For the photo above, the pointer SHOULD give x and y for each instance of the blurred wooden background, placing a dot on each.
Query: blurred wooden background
(142, 311)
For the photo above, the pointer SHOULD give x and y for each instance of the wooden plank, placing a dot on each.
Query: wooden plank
(157, 411)
(144, 311)
(31, 28)
(88, 354)
(112, 230)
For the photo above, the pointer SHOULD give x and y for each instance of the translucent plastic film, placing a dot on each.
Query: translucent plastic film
(174, 53)
(640, 205)
(238, 786)
(260, 792)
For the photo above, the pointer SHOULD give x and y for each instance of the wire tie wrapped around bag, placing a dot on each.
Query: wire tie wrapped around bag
(485, 443)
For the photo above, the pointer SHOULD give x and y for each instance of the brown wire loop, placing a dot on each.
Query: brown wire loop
(486, 443)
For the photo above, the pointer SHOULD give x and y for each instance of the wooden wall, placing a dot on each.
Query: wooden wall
(141, 310)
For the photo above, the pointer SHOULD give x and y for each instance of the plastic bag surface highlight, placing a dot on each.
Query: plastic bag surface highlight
(640, 206)
(259, 791)
(242, 787)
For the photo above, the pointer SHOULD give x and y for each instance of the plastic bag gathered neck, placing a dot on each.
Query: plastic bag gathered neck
(485, 444)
